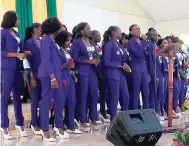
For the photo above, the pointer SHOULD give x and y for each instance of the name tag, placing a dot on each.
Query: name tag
(90, 49)
(67, 56)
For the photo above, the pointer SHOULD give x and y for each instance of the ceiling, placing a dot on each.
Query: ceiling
(166, 10)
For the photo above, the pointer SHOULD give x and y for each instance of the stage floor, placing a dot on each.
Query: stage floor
(93, 138)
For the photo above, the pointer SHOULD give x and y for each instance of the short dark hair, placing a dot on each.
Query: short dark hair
(160, 41)
(94, 32)
(65, 27)
(62, 37)
(9, 19)
(123, 36)
(150, 29)
(51, 25)
(168, 37)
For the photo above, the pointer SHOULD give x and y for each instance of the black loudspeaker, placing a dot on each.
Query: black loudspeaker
(135, 128)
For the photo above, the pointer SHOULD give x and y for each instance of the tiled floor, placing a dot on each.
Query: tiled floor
(94, 138)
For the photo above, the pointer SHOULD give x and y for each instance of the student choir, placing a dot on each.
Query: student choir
(72, 72)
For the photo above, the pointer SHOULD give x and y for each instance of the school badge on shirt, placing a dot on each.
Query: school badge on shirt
(118, 52)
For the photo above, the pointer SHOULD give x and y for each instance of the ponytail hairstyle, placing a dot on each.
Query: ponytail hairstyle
(80, 27)
(130, 29)
(74, 32)
(29, 31)
(108, 34)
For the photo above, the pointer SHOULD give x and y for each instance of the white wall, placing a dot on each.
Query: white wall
(176, 27)
(129, 12)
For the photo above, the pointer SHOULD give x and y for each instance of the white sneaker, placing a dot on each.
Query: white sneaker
(62, 135)
(183, 113)
(165, 117)
(96, 127)
(103, 119)
(74, 131)
(88, 124)
(22, 133)
(51, 139)
(161, 118)
(180, 111)
(35, 132)
(6, 136)
(85, 129)
(98, 122)
(176, 114)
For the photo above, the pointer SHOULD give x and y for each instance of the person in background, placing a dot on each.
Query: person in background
(32, 44)
(151, 47)
(162, 75)
(144, 37)
(168, 38)
(182, 81)
(11, 66)
(176, 81)
(50, 75)
(63, 39)
(124, 41)
(140, 80)
(175, 84)
(63, 28)
(114, 68)
(83, 53)
(96, 38)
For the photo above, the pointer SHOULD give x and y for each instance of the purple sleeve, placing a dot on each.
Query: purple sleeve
(107, 57)
(3, 52)
(138, 52)
(46, 56)
(75, 51)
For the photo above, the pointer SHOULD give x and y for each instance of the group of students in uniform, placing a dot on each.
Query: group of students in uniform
(73, 73)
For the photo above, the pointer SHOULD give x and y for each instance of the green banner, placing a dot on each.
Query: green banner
(24, 11)
(51, 8)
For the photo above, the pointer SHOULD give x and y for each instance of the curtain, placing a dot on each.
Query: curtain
(6, 5)
(51, 8)
(24, 11)
(59, 6)
(39, 10)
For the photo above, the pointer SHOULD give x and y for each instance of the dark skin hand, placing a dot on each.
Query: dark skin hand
(33, 81)
(54, 83)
